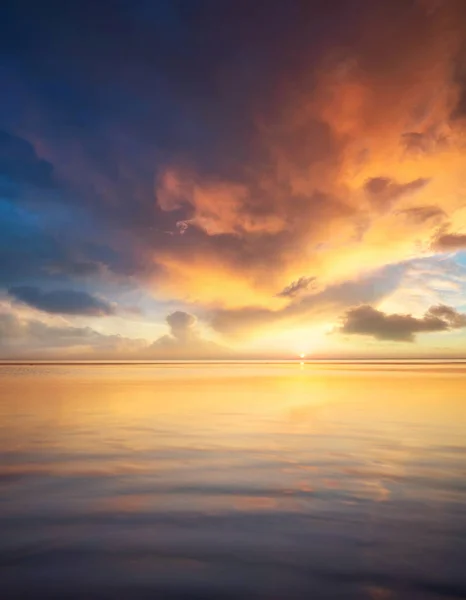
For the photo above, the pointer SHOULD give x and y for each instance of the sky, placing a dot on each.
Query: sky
(234, 179)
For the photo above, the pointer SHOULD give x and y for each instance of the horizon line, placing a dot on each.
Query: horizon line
(412, 360)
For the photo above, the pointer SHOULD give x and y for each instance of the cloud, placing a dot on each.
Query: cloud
(449, 242)
(433, 280)
(19, 162)
(181, 325)
(454, 319)
(323, 304)
(28, 338)
(311, 195)
(42, 241)
(296, 287)
(421, 214)
(185, 341)
(368, 321)
(279, 153)
(382, 191)
(218, 208)
(70, 302)
(428, 142)
(31, 338)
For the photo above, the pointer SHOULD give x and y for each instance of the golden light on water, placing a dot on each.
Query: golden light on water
(156, 456)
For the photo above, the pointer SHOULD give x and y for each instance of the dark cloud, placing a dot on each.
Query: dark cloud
(296, 287)
(70, 302)
(74, 268)
(19, 162)
(368, 321)
(454, 319)
(426, 142)
(213, 106)
(41, 241)
(48, 246)
(25, 245)
(449, 242)
(383, 190)
(415, 141)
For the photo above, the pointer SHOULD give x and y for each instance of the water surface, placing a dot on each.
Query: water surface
(264, 481)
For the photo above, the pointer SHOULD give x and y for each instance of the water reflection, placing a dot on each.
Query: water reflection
(233, 481)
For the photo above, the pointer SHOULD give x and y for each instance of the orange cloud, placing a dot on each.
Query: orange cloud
(359, 166)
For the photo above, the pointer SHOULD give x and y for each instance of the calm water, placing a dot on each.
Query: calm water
(233, 481)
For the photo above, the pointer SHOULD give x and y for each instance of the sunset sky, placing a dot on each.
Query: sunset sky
(232, 178)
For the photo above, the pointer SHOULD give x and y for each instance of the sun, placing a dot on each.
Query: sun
(302, 355)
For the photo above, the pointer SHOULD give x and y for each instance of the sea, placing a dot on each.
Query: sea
(233, 481)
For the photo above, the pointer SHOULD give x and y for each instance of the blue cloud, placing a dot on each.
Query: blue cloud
(70, 302)
(19, 162)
